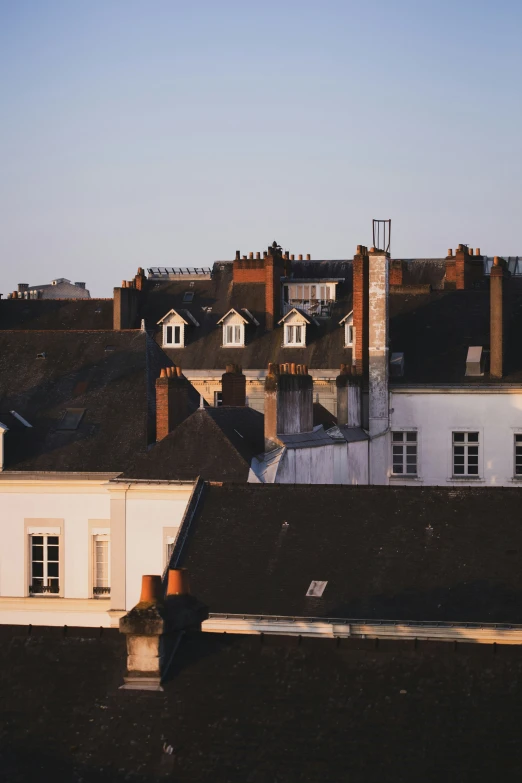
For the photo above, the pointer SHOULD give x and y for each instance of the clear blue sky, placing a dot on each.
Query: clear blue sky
(161, 132)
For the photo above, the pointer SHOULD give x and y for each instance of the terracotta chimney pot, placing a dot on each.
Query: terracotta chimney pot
(178, 582)
(151, 589)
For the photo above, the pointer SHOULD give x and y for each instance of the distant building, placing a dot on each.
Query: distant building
(60, 288)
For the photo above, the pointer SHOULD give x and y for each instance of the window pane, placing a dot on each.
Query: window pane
(177, 334)
(37, 539)
(397, 451)
(458, 437)
(518, 438)
(237, 335)
(289, 334)
(458, 450)
(397, 467)
(458, 469)
(229, 334)
(52, 553)
(412, 437)
(473, 470)
(37, 569)
(411, 459)
(411, 449)
(459, 460)
(298, 334)
(473, 450)
(52, 569)
(169, 334)
(411, 468)
(473, 437)
(397, 436)
(472, 460)
(52, 540)
(37, 552)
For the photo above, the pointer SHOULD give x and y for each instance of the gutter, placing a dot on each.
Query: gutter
(336, 628)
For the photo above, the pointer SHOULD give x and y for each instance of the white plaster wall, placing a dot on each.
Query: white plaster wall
(75, 508)
(146, 518)
(497, 417)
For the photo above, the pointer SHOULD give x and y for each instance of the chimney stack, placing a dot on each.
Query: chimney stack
(171, 400)
(348, 397)
(233, 386)
(498, 293)
(378, 365)
(23, 287)
(288, 402)
(125, 306)
(153, 626)
(396, 272)
(361, 308)
(464, 268)
(274, 271)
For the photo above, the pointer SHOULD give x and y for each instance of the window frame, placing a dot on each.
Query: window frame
(101, 591)
(237, 334)
(404, 444)
(517, 476)
(348, 335)
(171, 343)
(46, 544)
(460, 440)
(290, 334)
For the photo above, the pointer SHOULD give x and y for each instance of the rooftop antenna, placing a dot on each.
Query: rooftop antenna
(382, 235)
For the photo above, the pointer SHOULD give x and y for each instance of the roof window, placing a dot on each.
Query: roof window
(188, 296)
(41, 355)
(71, 418)
(316, 589)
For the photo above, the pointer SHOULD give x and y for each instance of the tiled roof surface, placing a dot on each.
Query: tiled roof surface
(402, 553)
(56, 313)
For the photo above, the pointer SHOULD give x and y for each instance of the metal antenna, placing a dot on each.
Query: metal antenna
(382, 235)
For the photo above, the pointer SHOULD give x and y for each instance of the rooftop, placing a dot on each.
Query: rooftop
(258, 709)
(405, 553)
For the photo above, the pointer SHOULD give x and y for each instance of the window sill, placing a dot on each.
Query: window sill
(172, 345)
(466, 479)
(404, 477)
(231, 345)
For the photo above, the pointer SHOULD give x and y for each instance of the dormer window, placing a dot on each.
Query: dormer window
(294, 328)
(349, 331)
(188, 296)
(173, 326)
(233, 324)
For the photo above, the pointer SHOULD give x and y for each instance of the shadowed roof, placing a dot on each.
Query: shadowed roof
(405, 553)
(56, 313)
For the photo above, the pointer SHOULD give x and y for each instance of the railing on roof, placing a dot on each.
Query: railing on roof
(514, 264)
(166, 271)
(317, 307)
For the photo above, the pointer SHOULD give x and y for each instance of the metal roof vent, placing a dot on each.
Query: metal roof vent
(397, 365)
(475, 361)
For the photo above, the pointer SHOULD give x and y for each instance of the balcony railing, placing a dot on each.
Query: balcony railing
(317, 307)
(44, 589)
(101, 591)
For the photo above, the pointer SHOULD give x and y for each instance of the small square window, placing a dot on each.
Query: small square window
(188, 296)
(71, 419)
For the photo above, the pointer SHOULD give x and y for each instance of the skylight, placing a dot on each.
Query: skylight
(71, 418)
(188, 296)
(316, 589)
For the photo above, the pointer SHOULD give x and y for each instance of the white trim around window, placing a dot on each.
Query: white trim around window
(465, 454)
(405, 454)
(174, 335)
(44, 570)
(233, 335)
(295, 335)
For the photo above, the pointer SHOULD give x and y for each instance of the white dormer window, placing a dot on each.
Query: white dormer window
(349, 331)
(294, 328)
(173, 326)
(233, 324)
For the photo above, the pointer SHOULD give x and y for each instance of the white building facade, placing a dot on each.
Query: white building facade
(75, 546)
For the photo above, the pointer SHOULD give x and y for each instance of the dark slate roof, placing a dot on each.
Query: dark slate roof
(405, 553)
(109, 374)
(217, 444)
(56, 313)
(247, 708)
(203, 349)
(435, 330)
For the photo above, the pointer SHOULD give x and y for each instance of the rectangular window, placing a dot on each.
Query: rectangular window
(465, 453)
(518, 455)
(173, 335)
(169, 335)
(348, 334)
(218, 399)
(404, 453)
(101, 565)
(233, 335)
(295, 334)
(45, 564)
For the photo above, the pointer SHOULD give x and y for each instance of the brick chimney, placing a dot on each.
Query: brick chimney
(267, 270)
(499, 286)
(360, 308)
(233, 386)
(288, 402)
(348, 397)
(125, 310)
(396, 272)
(464, 268)
(171, 400)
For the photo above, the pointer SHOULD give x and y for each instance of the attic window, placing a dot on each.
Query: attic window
(348, 335)
(41, 355)
(234, 334)
(173, 335)
(316, 589)
(188, 296)
(98, 310)
(295, 334)
(71, 419)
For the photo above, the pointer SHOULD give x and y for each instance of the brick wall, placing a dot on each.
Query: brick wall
(360, 308)
(396, 272)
